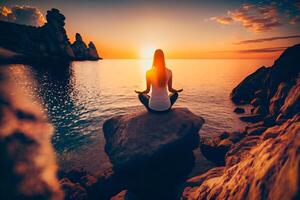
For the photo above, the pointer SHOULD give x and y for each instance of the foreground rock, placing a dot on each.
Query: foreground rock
(21, 43)
(28, 168)
(152, 152)
(258, 167)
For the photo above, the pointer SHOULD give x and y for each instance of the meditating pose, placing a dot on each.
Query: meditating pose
(159, 79)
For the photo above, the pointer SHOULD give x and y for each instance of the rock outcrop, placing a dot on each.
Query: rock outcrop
(92, 51)
(152, 153)
(261, 162)
(28, 167)
(267, 88)
(82, 52)
(48, 42)
(258, 167)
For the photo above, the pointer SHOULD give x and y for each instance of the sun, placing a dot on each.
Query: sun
(147, 52)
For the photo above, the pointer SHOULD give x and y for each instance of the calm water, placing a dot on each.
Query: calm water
(80, 97)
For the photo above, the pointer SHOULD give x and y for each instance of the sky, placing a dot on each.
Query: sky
(213, 29)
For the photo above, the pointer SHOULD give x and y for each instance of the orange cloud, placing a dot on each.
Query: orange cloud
(222, 20)
(22, 15)
(255, 18)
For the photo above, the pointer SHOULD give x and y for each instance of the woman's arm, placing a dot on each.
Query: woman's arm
(170, 85)
(148, 82)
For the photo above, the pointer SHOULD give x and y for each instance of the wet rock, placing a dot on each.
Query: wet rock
(239, 110)
(161, 154)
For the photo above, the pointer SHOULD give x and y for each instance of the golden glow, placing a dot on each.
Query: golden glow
(147, 52)
(145, 65)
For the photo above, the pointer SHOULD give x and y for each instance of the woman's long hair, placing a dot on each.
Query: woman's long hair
(159, 67)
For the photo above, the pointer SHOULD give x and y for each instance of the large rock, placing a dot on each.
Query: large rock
(137, 137)
(28, 167)
(258, 167)
(244, 92)
(152, 152)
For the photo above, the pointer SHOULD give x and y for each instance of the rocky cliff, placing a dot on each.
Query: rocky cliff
(21, 43)
(262, 161)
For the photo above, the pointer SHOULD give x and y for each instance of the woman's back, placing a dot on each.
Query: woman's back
(159, 80)
(159, 99)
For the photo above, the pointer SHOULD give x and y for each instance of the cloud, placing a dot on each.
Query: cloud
(257, 18)
(263, 50)
(22, 15)
(222, 20)
(268, 39)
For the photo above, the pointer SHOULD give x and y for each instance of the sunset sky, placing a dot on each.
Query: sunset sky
(183, 29)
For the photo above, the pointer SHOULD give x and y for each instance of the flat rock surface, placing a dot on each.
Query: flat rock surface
(141, 135)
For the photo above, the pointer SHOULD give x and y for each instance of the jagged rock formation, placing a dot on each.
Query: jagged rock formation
(261, 162)
(48, 42)
(93, 51)
(258, 167)
(151, 153)
(83, 52)
(28, 167)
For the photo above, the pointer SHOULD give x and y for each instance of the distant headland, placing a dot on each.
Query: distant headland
(26, 44)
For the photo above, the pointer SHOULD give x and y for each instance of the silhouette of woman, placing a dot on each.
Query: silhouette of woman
(158, 78)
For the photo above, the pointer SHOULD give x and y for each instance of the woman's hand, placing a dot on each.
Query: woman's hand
(138, 92)
(141, 92)
(174, 90)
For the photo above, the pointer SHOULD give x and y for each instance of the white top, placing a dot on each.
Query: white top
(159, 100)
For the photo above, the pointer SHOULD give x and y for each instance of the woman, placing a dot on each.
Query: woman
(159, 78)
